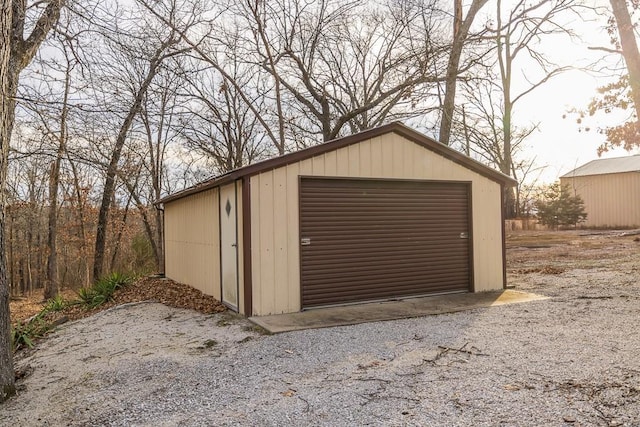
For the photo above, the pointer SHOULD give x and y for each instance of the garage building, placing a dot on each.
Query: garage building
(384, 214)
(610, 189)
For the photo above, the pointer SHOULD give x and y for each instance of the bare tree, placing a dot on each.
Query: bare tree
(217, 121)
(622, 95)
(322, 69)
(168, 45)
(461, 28)
(144, 163)
(482, 127)
(60, 135)
(516, 34)
(15, 54)
(629, 47)
(350, 64)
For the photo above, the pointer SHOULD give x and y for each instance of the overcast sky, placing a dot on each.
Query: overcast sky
(560, 146)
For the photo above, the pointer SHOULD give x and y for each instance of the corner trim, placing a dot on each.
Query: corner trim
(504, 241)
(246, 245)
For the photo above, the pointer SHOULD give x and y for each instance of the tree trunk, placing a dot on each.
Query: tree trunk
(7, 376)
(84, 245)
(626, 30)
(281, 143)
(112, 169)
(11, 242)
(505, 62)
(15, 53)
(506, 167)
(51, 277)
(146, 222)
(51, 286)
(460, 34)
(123, 226)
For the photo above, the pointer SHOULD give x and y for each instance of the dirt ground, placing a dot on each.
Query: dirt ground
(550, 252)
(570, 360)
(161, 290)
(545, 252)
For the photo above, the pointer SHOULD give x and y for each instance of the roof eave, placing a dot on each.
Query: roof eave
(397, 127)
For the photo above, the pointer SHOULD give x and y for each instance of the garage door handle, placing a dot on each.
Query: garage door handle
(464, 235)
(305, 241)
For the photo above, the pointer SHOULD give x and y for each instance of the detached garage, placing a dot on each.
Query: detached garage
(609, 189)
(387, 213)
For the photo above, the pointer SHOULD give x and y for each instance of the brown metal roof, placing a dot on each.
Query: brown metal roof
(335, 144)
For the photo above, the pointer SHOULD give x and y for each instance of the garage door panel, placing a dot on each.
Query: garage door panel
(329, 259)
(404, 267)
(400, 283)
(370, 242)
(368, 239)
(364, 264)
(352, 295)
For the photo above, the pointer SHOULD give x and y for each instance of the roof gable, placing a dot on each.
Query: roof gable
(607, 166)
(396, 127)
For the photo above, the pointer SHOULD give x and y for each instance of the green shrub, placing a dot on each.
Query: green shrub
(57, 303)
(102, 291)
(23, 333)
(558, 207)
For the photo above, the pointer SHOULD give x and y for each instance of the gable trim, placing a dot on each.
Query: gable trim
(395, 127)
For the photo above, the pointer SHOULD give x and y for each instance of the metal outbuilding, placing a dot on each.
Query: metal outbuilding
(610, 189)
(384, 214)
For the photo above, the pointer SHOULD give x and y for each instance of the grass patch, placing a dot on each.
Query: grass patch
(224, 322)
(539, 239)
(257, 329)
(542, 270)
(210, 343)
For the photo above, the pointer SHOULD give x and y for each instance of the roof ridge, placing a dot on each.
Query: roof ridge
(623, 164)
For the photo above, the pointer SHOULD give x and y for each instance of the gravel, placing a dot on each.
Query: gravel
(568, 360)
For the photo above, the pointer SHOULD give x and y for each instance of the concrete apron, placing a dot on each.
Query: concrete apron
(389, 310)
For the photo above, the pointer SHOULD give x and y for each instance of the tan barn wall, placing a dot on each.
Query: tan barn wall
(275, 213)
(610, 200)
(192, 243)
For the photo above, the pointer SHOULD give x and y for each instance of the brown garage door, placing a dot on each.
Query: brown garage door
(369, 239)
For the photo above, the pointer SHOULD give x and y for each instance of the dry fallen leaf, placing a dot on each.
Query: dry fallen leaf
(288, 393)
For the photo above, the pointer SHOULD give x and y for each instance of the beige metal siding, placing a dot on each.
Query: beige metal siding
(192, 241)
(275, 222)
(610, 200)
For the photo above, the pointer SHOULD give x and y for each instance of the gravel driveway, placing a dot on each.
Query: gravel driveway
(570, 360)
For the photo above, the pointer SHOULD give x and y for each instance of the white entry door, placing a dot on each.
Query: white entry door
(229, 245)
